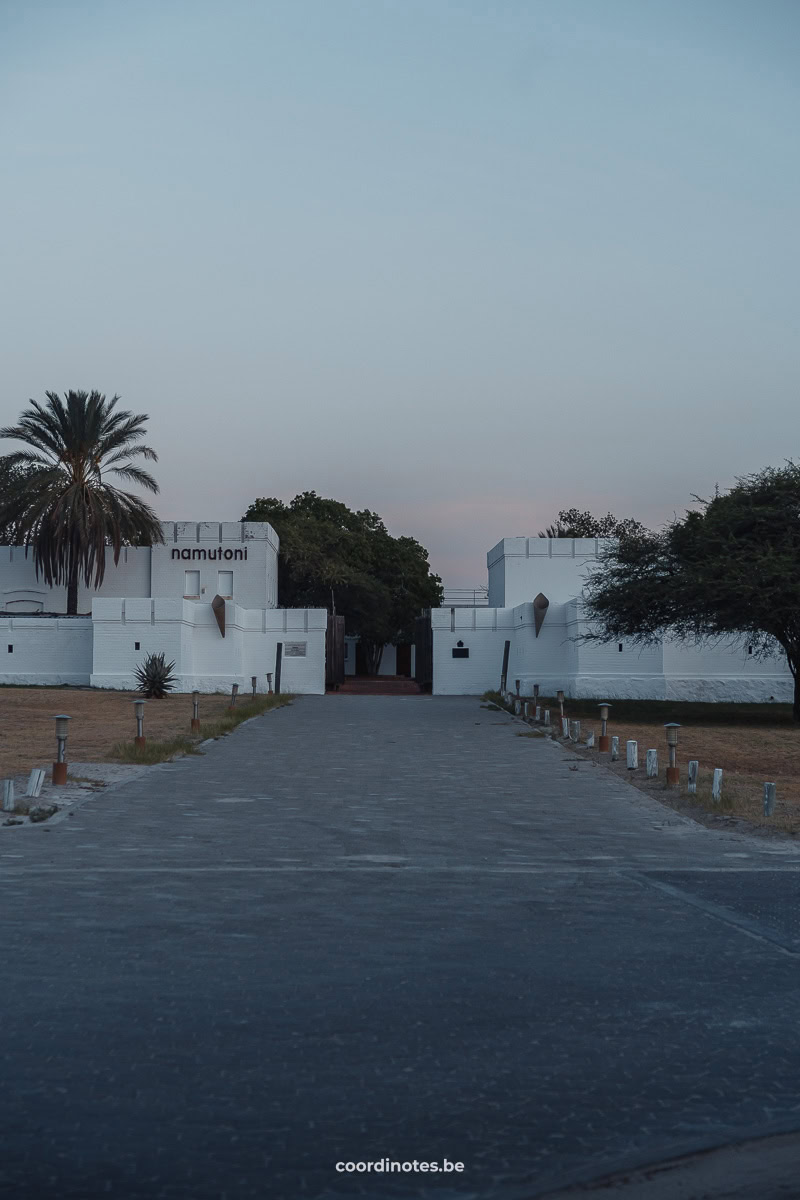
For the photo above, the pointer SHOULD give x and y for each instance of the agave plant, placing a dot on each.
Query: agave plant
(155, 677)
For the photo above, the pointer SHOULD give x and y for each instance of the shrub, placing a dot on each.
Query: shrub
(155, 677)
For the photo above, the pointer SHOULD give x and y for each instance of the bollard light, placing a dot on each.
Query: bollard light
(254, 680)
(138, 708)
(269, 683)
(195, 712)
(673, 774)
(603, 744)
(234, 694)
(60, 765)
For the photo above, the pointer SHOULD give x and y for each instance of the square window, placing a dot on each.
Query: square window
(225, 584)
(10, 649)
(191, 583)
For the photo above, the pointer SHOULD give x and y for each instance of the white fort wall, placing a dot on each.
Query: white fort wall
(187, 632)
(47, 651)
(521, 568)
(158, 599)
(203, 556)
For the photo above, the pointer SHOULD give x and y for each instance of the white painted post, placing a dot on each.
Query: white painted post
(35, 781)
(517, 708)
(590, 739)
(632, 750)
(538, 714)
(614, 749)
(8, 795)
(565, 727)
(576, 725)
(769, 799)
(525, 710)
(716, 785)
(694, 768)
(652, 764)
(547, 716)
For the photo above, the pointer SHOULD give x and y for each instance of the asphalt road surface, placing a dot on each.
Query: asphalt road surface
(365, 929)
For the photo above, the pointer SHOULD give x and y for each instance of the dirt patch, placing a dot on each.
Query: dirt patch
(100, 719)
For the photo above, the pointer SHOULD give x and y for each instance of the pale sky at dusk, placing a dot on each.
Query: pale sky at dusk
(463, 263)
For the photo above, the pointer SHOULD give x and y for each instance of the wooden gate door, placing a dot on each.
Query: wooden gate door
(334, 652)
(423, 652)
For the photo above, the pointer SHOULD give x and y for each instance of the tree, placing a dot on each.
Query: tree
(11, 479)
(57, 499)
(572, 523)
(331, 557)
(726, 572)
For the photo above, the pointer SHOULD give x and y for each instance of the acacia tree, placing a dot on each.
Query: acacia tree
(724, 573)
(572, 523)
(57, 499)
(331, 557)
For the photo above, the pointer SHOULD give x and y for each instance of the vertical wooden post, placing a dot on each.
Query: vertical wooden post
(278, 658)
(694, 768)
(632, 752)
(716, 785)
(769, 799)
(614, 749)
(590, 739)
(652, 764)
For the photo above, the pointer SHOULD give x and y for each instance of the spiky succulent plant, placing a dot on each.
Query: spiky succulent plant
(155, 677)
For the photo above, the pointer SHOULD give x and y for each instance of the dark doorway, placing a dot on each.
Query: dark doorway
(403, 666)
(334, 653)
(361, 660)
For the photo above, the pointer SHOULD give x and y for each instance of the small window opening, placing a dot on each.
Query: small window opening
(137, 645)
(619, 647)
(10, 649)
(749, 649)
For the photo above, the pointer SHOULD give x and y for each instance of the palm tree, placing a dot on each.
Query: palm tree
(58, 500)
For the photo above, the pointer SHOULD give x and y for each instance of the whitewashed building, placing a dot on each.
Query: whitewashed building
(468, 643)
(159, 599)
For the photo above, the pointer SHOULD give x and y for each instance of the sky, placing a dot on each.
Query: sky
(458, 262)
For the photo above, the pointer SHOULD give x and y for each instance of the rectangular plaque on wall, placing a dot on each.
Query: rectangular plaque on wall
(294, 649)
(461, 652)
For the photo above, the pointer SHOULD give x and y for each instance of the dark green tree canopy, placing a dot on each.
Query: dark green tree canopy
(348, 562)
(572, 523)
(56, 497)
(726, 572)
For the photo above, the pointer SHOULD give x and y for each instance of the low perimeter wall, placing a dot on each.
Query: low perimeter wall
(468, 659)
(104, 650)
(46, 650)
(125, 631)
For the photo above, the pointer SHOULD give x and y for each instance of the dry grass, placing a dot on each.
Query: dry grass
(752, 743)
(103, 722)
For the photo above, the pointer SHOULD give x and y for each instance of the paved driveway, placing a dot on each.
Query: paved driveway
(366, 928)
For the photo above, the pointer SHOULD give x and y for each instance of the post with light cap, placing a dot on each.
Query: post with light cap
(673, 774)
(604, 745)
(60, 765)
(138, 708)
